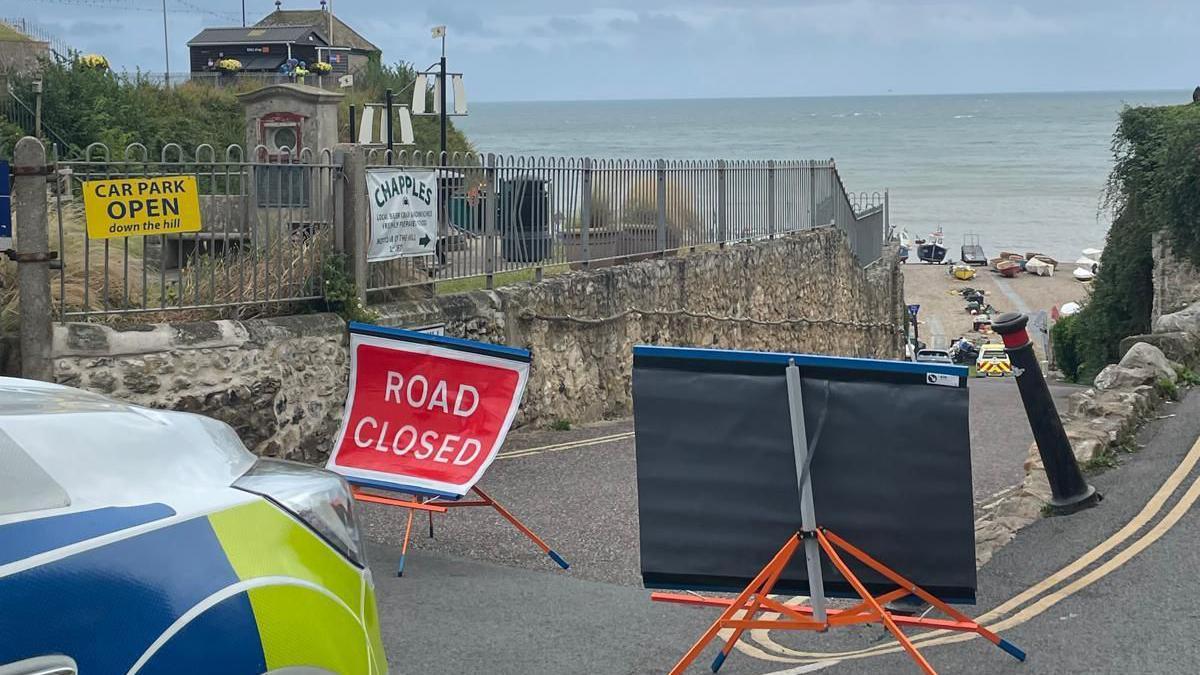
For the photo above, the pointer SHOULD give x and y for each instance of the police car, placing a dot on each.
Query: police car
(139, 542)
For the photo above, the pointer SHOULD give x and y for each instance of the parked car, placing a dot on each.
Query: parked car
(934, 356)
(147, 541)
(993, 361)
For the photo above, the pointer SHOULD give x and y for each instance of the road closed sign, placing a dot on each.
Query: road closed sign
(425, 414)
(136, 207)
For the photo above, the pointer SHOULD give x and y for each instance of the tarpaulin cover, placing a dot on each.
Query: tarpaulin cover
(717, 481)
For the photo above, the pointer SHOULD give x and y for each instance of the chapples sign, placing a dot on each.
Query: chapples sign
(403, 208)
(425, 414)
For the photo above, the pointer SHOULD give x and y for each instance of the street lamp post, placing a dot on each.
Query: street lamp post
(166, 47)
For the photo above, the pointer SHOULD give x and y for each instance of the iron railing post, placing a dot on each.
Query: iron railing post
(771, 198)
(585, 211)
(722, 204)
(661, 209)
(489, 222)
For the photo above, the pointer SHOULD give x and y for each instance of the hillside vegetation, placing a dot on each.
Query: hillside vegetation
(1154, 187)
(83, 106)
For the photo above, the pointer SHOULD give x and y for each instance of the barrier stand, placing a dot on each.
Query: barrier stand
(437, 505)
(741, 613)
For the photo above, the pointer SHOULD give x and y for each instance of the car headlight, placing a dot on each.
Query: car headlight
(320, 499)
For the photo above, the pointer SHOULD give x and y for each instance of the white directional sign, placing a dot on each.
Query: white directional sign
(404, 220)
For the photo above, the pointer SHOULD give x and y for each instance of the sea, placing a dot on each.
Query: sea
(1026, 172)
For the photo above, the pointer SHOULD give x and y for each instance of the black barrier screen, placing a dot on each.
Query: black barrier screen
(717, 481)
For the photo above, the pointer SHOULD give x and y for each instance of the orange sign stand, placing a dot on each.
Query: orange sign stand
(741, 613)
(436, 505)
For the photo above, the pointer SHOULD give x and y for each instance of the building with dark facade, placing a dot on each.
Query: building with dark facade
(304, 35)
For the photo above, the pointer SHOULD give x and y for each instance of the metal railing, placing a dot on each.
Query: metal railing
(267, 229)
(502, 215)
(242, 79)
(270, 222)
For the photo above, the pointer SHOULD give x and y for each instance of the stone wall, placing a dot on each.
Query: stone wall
(582, 365)
(1176, 280)
(281, 382)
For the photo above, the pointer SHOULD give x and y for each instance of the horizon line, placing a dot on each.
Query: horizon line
(812, 96)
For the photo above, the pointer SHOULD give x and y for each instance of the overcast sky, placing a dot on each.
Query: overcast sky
(621, 49)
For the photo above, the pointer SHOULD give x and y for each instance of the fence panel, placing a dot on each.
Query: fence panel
(267, 228)
(269, 223)
(519, 217)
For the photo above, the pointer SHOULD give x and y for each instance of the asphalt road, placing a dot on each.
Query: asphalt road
(487, 602)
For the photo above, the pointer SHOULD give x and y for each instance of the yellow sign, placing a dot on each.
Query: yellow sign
(136, 207)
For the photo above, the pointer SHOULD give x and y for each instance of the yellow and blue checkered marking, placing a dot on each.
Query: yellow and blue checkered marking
(282, 596)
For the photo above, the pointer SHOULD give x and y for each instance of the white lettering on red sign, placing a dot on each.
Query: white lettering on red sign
(425, 417)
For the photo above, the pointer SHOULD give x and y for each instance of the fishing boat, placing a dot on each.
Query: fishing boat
(972, 252)
(1008, 268)
(932, 250)
(1082, 274)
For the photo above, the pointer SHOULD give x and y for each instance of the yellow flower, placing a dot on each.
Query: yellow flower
(93, 61)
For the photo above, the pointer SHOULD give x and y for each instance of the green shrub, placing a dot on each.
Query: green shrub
(1166, 390)
(1154, 187)
(1063, 338)
(81, 106)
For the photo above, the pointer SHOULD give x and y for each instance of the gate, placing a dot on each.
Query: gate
(267, 229)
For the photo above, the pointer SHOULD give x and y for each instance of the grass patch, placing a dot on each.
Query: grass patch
(479, 283)
(1186, 377)
(10, 34)
(1104, 461)
(561, 425)
(1167, 389)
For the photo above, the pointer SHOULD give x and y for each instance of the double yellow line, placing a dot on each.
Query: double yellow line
(569, 445)
(1039, 597)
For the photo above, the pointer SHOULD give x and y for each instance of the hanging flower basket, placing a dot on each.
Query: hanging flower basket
(93, 62)
(322, 68)
(300, 72)
(229, 65)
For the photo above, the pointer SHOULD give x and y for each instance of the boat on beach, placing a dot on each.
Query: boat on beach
(905, 244)
(962, 272)
(932, 250)
(1081, 274)
(1008, 268)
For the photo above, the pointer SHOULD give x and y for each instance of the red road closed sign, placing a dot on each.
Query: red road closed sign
(425, 413)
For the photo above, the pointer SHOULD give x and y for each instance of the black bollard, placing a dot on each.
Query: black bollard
(1069, 491)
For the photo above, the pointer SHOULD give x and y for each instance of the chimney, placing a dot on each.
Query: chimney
(324, 8)
(278, 5)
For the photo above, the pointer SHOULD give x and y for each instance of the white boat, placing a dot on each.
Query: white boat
(1069, 308)
(1093, 253)
(1040, 268)
(1086, 262)
(1083, 275)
